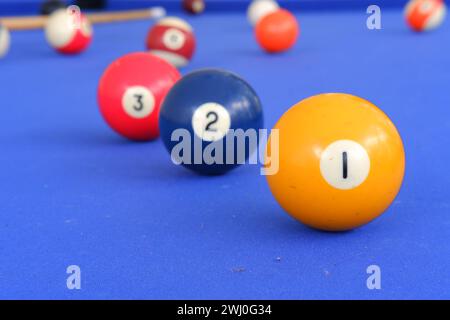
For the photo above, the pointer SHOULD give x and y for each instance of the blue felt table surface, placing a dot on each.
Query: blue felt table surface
(73, 192)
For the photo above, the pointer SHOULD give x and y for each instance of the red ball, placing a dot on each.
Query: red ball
(194, 6)
(424, 15)
(173, 40)
(277, 31)
(131, 91)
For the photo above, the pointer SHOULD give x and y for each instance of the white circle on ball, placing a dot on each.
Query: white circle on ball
(425, 7)
(174, 39)
(211, 121)
(138, 102)
(344, 164)
(86, 28)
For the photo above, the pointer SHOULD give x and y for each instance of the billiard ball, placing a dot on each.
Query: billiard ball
(130, 94)
(194, 6)
(69, 32)
(424, 15)
(206, 109)
(277, 31)
(50, 6)
(172, 39)
(260, 8)
(4, 40)
(340, 162)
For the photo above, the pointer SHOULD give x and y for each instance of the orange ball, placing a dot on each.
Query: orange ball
(278, 31)
(341, 162)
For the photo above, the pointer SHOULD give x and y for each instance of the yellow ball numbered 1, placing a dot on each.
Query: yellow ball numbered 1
(341, 162)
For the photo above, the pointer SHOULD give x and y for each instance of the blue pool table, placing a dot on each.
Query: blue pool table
(139, 227)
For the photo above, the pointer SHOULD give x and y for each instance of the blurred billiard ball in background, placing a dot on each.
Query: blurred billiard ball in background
(194, 6)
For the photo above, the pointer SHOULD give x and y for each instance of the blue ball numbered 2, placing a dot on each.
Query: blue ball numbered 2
(210, 121)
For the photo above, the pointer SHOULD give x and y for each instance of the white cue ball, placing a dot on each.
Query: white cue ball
(4, 41)
(157, 12)
(260, 8)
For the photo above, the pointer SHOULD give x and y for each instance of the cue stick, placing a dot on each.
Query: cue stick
(38, 22)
